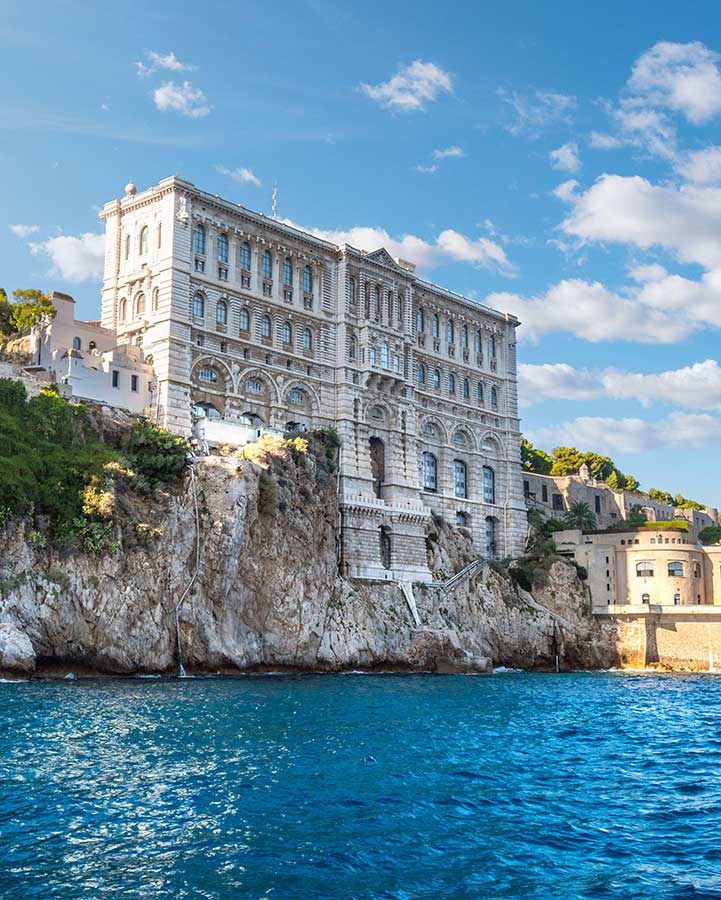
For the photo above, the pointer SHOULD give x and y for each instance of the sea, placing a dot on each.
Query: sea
(367, 786)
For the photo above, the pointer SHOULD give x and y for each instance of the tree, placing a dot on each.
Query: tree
(710, 535)
(5, 308)
(682, 502)
(580, 516)
(30, 306)
(533, 460)
(661, 496)
(636, 517)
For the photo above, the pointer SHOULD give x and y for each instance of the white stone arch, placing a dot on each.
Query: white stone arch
(381, 404)
(496, 442)
(471, 445)
(215, 363)
(261, 375)
(307, 389)
(437, 424)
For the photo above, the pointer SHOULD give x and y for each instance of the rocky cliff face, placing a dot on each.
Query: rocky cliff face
(267, 592)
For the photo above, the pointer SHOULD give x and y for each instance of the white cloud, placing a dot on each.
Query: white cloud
(74, 258)
(647, 273)
(565, 158)
(565, 190)
(241, 175)
(681, 77)
(449, 246)
(589, 310)
(701, 166)
(182, 98)
(609, 435)
(697, 386)
(604, 141)
(412, 87)
(453, 152)
(23, 231)
(427, 170)
(534, 113)
(168, 61)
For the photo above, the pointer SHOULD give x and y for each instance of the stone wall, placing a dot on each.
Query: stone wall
(674, 640)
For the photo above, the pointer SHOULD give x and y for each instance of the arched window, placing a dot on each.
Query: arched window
(221, 313)
(296, 397)
(287, 333)
(198, 306)
(466, 389)
(208, 374)
(430, 472)
(494, 398)
(288, 271)
(644, 570)
(492, 346)
(479, 392)
(464, 337)
(675, 570)
(127, 246)
(156, 299)
(159, 235)
(384, 355)
(436, 378)
(435, 325)
(140, 305)
(123, 310)
(450, 331)
(92, 346)
(77, 343)
(199, 240)
(421, 374)
(244, 320)
(377, 302)
(245, 256)
(489, 485)
(645, 598)
(265, 327)
(400, 306)
(223, 248)
(451, 383)
(307, 339)
(267, 265)
(308, 279)
(479, 341)
(677, 599)
(461, 519)
(460, 485)
(143, 240)
(352, 292)
(420, 321)
(367, 300)
(352, 349)
(490, 537)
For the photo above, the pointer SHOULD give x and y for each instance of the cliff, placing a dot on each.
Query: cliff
(263, 589)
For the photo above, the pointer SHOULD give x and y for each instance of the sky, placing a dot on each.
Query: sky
(560, 161)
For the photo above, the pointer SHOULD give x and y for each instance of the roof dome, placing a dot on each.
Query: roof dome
(130, 189)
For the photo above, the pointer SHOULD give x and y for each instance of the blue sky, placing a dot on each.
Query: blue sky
(561, 163)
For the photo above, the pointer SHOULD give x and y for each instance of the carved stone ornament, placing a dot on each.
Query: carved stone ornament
(182, 215)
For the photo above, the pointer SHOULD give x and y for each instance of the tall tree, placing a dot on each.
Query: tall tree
(580, 516)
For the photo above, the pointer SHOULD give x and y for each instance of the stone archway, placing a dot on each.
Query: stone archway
(377, 451)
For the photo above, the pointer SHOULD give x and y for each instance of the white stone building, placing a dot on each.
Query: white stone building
(252, 322)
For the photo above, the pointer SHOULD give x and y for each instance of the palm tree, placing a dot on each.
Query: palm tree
(579, 516)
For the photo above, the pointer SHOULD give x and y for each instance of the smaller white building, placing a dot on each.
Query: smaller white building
(87, 357)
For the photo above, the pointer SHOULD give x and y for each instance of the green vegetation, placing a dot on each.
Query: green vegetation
(710, 535)
(28, 307)
(56, 471)
(673, 525)
(568, 460)
(580, 516)
(533, 460)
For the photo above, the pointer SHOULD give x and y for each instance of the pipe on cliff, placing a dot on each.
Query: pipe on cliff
(179, 643)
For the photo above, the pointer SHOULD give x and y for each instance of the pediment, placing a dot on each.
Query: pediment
(381, 255)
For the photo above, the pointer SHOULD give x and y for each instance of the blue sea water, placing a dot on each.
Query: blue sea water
(338, 786)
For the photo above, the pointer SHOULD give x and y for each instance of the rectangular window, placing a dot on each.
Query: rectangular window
(199, 265)
(544, 493)
(557, 502)
(116, 378)
(597, 500)
(134, 383)
(222, 273)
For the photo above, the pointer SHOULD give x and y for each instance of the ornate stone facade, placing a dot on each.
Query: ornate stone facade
(249, 319)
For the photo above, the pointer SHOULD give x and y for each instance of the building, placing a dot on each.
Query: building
(250, 321)
(647, 567)
(553, 495)
(91, 361)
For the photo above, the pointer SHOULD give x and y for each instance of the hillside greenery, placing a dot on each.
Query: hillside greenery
(27, 307)
(568, 460)
(61, 476)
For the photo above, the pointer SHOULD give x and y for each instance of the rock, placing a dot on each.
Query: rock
(16, 650)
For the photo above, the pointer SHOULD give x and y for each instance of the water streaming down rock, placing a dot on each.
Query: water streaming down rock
(265, 590)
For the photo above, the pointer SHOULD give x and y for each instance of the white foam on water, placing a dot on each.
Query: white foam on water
(502, 670)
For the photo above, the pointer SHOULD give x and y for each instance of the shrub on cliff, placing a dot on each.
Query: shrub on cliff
(155, 454)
